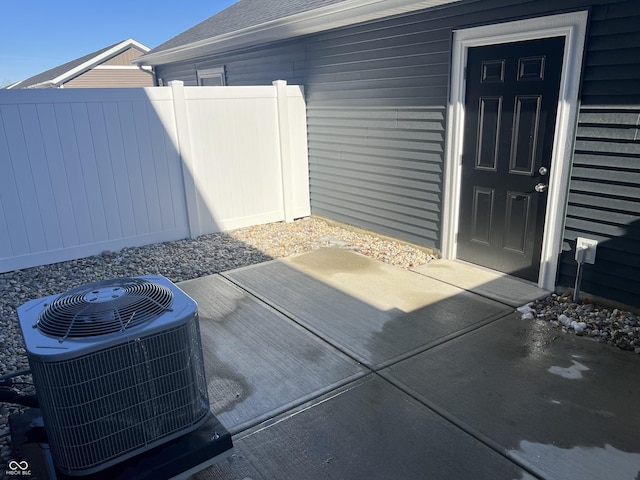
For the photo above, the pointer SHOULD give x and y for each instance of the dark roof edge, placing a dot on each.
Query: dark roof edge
(320, 19)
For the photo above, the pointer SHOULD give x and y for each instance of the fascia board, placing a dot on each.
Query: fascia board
(98, 59)
(343, 14)
(45, 84)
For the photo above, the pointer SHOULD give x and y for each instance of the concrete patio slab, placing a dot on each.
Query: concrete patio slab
(367, 430)
(375, 312)
(488, 283)
(565, 406)
(258, 363)
(462, 386)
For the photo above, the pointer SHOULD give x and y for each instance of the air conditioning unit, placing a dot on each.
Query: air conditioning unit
(117, 367)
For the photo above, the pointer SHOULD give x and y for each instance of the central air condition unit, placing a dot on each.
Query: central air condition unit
(117, 367)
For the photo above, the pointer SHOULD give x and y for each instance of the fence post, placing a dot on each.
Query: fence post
(284, 131)
(186, 158)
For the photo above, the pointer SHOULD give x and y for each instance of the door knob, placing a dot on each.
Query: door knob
(541, 187)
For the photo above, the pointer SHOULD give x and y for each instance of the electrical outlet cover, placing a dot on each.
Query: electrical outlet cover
(589, 246)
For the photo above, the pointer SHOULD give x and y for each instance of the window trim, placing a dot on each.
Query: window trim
(218, 72)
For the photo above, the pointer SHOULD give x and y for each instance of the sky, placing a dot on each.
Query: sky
(36, 35)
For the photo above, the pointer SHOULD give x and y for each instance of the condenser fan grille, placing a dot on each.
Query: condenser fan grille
(104, 307)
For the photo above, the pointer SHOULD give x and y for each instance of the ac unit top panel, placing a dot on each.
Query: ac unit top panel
(100, 320)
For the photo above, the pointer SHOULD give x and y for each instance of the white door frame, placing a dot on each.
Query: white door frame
(573, 27)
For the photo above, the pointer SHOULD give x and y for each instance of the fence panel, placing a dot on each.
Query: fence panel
(235, 147)
(88, 170)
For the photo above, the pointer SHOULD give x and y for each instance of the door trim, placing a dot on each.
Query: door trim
(573, 27)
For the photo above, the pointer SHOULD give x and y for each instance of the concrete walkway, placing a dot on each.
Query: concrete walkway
(333, 365)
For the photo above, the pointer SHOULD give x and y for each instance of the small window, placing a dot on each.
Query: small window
(211, 77)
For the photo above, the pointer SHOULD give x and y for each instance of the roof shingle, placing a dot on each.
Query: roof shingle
(240, 15)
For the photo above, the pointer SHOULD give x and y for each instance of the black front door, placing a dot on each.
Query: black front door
(510, 114)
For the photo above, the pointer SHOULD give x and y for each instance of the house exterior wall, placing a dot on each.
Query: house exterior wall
(377, 97)
(111, 77)
(604, 197)
(124, 58)
(116, 72)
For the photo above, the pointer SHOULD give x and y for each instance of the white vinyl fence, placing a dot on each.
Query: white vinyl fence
(88, 170)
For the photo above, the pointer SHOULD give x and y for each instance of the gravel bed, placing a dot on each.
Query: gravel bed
(612, 326)
(178, 261)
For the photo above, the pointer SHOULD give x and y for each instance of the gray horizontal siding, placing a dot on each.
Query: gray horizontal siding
(181, 71)
(253, 67)
(378, 163)
(378, 168)
(398, 63)
(604, 198)
(612, 62)
(604, 203)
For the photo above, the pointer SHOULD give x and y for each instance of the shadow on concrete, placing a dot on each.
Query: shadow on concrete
(493, 386)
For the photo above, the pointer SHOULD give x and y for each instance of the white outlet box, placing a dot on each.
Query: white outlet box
(589, 246)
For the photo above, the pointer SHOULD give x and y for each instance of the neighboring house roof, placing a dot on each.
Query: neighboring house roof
(57, 76)
(255, 22)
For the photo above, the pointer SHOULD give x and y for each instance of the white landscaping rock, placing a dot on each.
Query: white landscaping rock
(564, 320)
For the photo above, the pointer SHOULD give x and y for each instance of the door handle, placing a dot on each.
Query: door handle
(541, 187)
